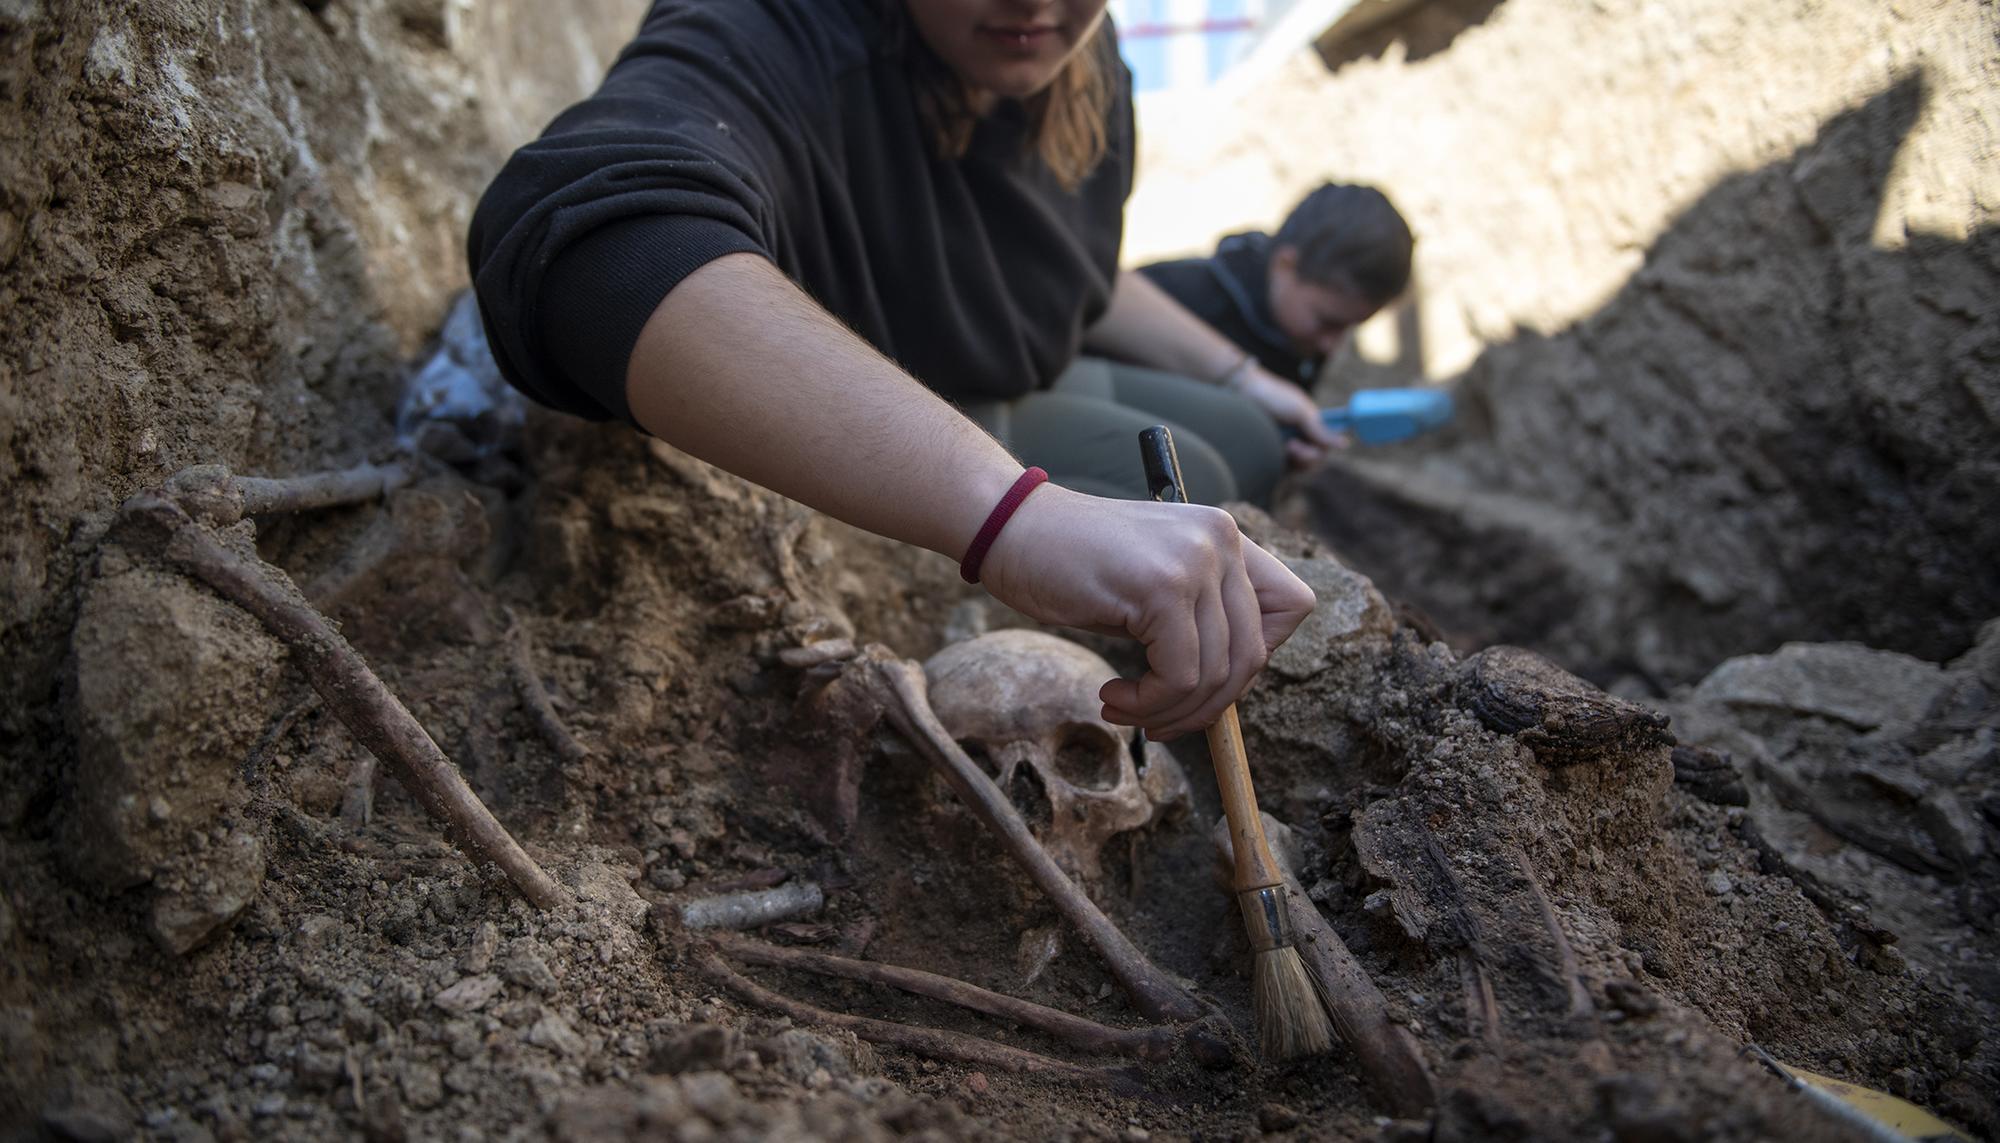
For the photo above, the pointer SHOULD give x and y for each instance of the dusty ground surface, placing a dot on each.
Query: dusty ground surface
(1629, 934)
(227, 229)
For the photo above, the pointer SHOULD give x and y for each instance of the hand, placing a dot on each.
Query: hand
(1209, 605)
(1293, 408)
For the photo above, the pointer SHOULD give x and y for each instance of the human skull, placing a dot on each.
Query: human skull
(1024, 704)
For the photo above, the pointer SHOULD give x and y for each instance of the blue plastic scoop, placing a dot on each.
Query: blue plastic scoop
(1385, 416)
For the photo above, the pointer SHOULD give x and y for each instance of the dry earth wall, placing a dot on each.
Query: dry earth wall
(222, 227)
(1715, 284)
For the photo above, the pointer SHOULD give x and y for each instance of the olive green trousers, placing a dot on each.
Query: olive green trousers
(1084, 431)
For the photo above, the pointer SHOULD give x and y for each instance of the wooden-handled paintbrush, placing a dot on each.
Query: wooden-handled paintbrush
(1290, 1018)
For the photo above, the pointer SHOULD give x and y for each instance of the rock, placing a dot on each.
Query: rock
(1349, 609)
(1950, 763)
(469, 994)
(172, 687)
(1037, 949)
(1950, 822)
(422, 1087)
(478, 954)
(1858, 685)
(1720, 884)
(1631, 998)
(1275, 1117)
(523, 965)
(1710, 775)
(797, 1054)
(600, 884)
(1640, 1112)
(713, 1096)
(554, 1033)
(199, 894)
(696, 1047)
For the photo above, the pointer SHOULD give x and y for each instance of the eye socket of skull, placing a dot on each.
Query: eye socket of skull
(1088, 758)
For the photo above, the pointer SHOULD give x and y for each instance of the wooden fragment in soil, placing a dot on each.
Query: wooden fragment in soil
(1560, 717)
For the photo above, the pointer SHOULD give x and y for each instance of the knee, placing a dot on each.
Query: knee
(1204, 470)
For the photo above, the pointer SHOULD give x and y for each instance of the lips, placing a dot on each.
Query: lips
(1021, 36)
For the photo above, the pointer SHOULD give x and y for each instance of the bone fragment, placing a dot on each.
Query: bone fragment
(815, 654)
(355, 694)
(751, 908)
(210, 493)
(931, 1042)
(1480, 1002)
(357, 805)
(1388, 1054)
(900, 683)
(1581, 1010)
(1087, 1035)
(541, 712)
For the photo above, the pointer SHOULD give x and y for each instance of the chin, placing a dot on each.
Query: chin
(1013, 84)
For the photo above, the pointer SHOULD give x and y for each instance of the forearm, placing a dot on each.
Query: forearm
(1145, 325)
(739, 367)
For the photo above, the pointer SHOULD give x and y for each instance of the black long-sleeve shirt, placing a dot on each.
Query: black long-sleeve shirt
(1230, 290)
(790, 128)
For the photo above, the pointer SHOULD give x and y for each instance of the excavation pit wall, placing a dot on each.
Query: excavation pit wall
(228, 228)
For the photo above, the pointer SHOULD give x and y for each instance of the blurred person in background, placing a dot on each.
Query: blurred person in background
(1292, 299)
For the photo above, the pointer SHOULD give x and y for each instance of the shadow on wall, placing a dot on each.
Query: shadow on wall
(1424, 27)
(1777, 430)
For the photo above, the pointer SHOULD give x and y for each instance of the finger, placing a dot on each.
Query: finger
(1247, 653)
(1173, 662)
(1283, 599)
(1303, 455)
(1314, 429)
(1212, 621)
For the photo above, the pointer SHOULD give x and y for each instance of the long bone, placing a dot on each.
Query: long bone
(899, 685)
(1154, 1043)
(934, 1042)
(156, 522)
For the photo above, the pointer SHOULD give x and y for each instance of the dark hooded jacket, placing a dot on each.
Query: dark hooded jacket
(1230, 290)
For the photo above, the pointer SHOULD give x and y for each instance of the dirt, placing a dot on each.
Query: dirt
(1702, 277)
(229, 230)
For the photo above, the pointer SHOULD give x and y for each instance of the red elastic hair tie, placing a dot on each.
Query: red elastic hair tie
(996, 520)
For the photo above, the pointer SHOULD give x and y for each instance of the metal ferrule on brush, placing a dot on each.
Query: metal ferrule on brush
(1265, 919)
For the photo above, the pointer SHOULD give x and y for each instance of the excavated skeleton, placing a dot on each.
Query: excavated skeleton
(1026, 703)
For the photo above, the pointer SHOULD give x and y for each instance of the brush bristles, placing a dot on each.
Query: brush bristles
(1290, 1021)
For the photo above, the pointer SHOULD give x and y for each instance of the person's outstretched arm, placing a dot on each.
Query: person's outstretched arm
(740, 368)
(1144, 324)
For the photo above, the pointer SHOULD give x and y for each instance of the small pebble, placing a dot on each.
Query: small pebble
(977, 1082)
(1719, 883)
(1276, 1117)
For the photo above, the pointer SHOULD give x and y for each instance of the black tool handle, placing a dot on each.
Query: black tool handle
(1163, 466)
